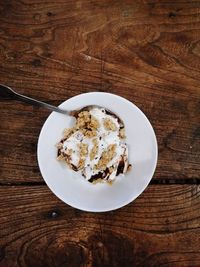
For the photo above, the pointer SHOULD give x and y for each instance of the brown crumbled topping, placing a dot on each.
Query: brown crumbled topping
(83, 118)
(59, 145)
(68, 132)
(100, 180)
(83, 150)
(80, 123)
(109, 125)
(94, 123)
(83, 131)
(122, 133)
(69, 152)
(106, 157)
(81, 163)
(61, 157)
(85, 115)
(111, 169)
(87, 123)
(95, 149)
(90, 134)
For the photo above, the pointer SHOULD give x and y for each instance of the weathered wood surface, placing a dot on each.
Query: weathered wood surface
(161, 228)
(145, 51)
(179, 155)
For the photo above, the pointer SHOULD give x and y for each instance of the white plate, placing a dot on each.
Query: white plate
(70, 186)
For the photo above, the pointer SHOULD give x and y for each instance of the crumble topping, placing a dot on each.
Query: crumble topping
(95, 146)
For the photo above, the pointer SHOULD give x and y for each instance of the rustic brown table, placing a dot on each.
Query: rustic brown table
(145, 51)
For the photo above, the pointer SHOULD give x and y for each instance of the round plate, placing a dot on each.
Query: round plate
(70, 186)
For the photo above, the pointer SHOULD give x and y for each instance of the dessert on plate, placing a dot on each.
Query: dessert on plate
(95, 146)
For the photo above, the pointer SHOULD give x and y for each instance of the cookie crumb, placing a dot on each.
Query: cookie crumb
(109, 125)
(122, 133)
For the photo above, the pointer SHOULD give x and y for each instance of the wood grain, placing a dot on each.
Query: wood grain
(179, 154)
(148, 52)
(161, 228)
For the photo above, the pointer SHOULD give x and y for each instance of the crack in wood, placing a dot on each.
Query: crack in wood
(161, 181)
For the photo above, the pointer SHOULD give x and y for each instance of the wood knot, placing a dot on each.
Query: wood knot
(49, 14)
(172, 14)
(37, 17)
(54, 214)
(36, 62)
(53, 250)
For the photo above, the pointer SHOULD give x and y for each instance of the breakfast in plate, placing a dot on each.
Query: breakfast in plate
(95, 146)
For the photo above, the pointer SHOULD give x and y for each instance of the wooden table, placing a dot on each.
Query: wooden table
(145, 51)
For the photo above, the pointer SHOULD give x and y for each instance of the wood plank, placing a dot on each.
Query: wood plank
(160, 228)
(179, 147)
(144, 46)
(145, 51)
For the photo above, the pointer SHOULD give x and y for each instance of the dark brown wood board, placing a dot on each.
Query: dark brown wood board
(161, 228)
(145, 51)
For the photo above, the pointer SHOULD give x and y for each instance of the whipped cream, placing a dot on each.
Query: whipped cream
(105, 137)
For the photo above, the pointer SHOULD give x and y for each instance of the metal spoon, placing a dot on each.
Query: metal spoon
(6, 91)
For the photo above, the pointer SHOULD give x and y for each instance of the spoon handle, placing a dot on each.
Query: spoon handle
(6, 92)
